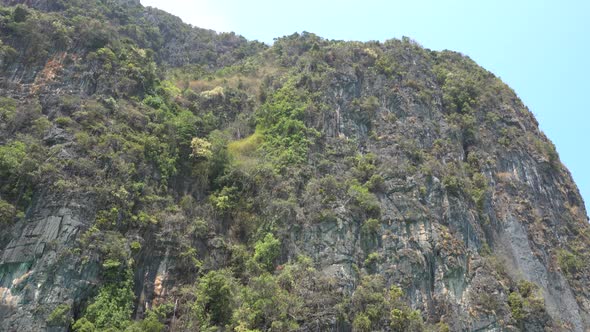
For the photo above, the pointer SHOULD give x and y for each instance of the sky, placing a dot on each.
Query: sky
(540, 48)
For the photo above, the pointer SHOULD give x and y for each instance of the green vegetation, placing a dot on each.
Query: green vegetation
(245, 146)
(547, 150)
(110, 309)
(60, 316)
(215, 158)
(453, 184)
(286, 138)
(466, 180)
(7, 212)
(224, 200)
(12, 156)
(478, 189)
(18, 164)
(371, 226)
(215, 298)
(201, 149)
(371, 261)
(526, 301)
(267, 251)
(153, 321)
(266, 301)
(372, 305)
(367, 109)
(569, 262)
(365, 167)
(363, 200)
(266, 305)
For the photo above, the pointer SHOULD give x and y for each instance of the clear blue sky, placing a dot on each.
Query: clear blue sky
(540, 48)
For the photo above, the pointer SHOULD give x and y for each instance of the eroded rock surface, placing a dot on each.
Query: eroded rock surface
(143, 155)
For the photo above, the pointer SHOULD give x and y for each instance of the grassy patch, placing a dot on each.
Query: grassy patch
(243, 151)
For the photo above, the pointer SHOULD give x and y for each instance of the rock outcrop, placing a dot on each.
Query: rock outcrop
(370, 186)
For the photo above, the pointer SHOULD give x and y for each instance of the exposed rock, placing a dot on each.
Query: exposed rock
(389, 163)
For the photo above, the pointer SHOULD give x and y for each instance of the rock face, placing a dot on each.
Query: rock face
(147, 156)
(38, 271)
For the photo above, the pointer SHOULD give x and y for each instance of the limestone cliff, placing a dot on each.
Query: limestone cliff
(155, 176)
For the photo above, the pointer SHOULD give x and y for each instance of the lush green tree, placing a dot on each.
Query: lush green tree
(265, 305)
(267, 251)
(183, 126)
(201, 149)
(20, 13)
(111, 308)
(7, 212)
(11, 157)
(215, 299)
(84, 325)
(152, 321)
(281, 120)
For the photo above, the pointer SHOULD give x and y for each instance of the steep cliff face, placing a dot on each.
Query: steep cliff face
(156, 176)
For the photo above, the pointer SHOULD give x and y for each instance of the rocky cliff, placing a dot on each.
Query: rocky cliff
(160, 177)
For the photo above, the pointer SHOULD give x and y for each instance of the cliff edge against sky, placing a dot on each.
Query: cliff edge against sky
(160, 177)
